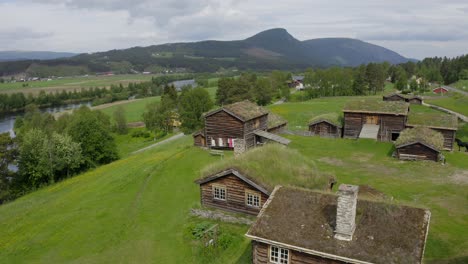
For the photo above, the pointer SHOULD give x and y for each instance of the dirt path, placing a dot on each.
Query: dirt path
(159, 143)
(462, 117)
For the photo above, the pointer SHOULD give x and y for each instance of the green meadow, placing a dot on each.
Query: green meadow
(454, 102)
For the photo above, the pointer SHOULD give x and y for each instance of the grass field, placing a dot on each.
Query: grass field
(71, 83)
(136, 209)
(457, 103)
(461, 84)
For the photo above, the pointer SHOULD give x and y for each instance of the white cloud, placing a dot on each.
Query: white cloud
(413, 28)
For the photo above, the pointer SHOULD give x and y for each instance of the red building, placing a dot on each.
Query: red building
(440, 90)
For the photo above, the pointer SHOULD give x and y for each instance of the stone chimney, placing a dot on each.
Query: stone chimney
(346, 211)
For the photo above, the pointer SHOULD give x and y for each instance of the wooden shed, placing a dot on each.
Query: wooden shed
(420, 143)
(233, 191)
(394, 97)
(303, 226)
(276, 124)
(415, 100)
(446, 124)
(327, 125)
(199, 138)
(381, 120)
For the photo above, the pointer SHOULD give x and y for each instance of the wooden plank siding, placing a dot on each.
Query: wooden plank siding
(260, 255)
(423, 152)
(353, 123)
(235, 195)
(278, 129)
(325, 129)
(449, 137)
(199, 140)
(415, 100)
(259, 123)
(222, 125)
(394, 97)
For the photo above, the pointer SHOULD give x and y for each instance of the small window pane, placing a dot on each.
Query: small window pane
(219, 193)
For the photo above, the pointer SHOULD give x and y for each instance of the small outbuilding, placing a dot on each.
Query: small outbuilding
(446, 124)
(232, 190)
(276, 124)
(303, 226)
(440, 90)
(199, 139)
(412, 99)
(326, 125)
(415, 100)
(419, 143)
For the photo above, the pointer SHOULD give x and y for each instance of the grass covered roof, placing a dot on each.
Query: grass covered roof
(377, 106)
(433, 120)
(421, 134)
(273, 164)
(385, 233)
(244, 110)
(275, 120)
(333, 118)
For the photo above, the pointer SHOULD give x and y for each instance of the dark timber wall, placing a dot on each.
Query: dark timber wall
(415, 101)
(199, 140)
(423, 152)
(325, 129)
(260, 255)
(278, 129)
(235, 195)
(259, 123)
(449, 137)
(394, 98)
(222, 125)
(388, 123)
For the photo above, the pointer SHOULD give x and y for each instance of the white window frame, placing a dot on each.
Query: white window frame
(219, 193)
(251, 202)
(278, 255)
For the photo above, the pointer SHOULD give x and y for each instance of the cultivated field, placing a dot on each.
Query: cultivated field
(72, 83)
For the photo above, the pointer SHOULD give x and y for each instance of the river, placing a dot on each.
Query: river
(7, 121)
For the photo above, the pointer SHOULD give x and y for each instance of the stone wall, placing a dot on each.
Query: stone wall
(239, 147)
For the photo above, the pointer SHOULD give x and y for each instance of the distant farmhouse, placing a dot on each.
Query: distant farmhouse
(412, 99)
(382, 120)
(243, 122)
(303, 226)
(182, 83)
(297, 82)
(440, 90)
(326, 125)
(232, 190)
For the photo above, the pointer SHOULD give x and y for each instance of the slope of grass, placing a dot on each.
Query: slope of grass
(457, 103)
(461, 84)
(133, 110)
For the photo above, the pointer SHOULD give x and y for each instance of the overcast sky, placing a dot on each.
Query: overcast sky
(413, 28)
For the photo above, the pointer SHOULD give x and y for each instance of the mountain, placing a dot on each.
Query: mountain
(267, 50)
(33, 55)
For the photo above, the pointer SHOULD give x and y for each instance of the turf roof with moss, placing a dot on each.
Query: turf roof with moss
(332, 118)
(275, 120)
(244, 110)
(423, 135)
(377, 107)
(272, 165)
(385, 233)
(433, 120)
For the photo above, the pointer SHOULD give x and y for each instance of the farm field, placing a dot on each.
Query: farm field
(136, 209)
(461, 84)
(71, 83)
(457, 103)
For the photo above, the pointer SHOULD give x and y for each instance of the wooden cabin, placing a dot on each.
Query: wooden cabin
(304, 226)
(446, 124)
(328, 125)
(199, 138)
(415, 100)
(276, 124)
(412, 99)
(231, 190)
(381, 120)
(417, 150)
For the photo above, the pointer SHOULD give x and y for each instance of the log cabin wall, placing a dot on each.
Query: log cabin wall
(394, 98)
(199, 141)
(278, 129)
(449, 137)
(222, 125)
(415, 101)
(260, 255)
(325, 129)
(259, 123)
(419, 149)
(235, 195)
(352, 125)
(388, 123)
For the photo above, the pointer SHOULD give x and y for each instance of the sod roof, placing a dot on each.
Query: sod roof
(244, 110)
(275, 120)
(377, 106)
(304, 219)
(273, 164)
(404, 96)
(433, 120)
(423, 135)
(332, 118)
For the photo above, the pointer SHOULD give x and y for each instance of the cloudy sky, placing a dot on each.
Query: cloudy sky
(413, 28)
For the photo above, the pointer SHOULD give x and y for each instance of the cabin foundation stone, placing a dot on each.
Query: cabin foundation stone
(239, 147)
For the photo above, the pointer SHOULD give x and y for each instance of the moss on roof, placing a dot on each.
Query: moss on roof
(385, 233)
(406, 96)
(377, 106)
(333, 118)
(275, 120)
(421, 134)
(273, 164)
(433, 120)
(245, 110)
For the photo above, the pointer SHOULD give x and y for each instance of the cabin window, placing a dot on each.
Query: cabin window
(219, 192)
(252, 199)
(279, 255)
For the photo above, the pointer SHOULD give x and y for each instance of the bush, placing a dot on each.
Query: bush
(140, 133)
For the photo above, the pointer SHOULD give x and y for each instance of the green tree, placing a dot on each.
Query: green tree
(413, 85)
(33, 165)
(360, 85)
(158, 117)
(120, 120)
(192, 104)
(8, 154)
(64, 155)
(264, 92)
